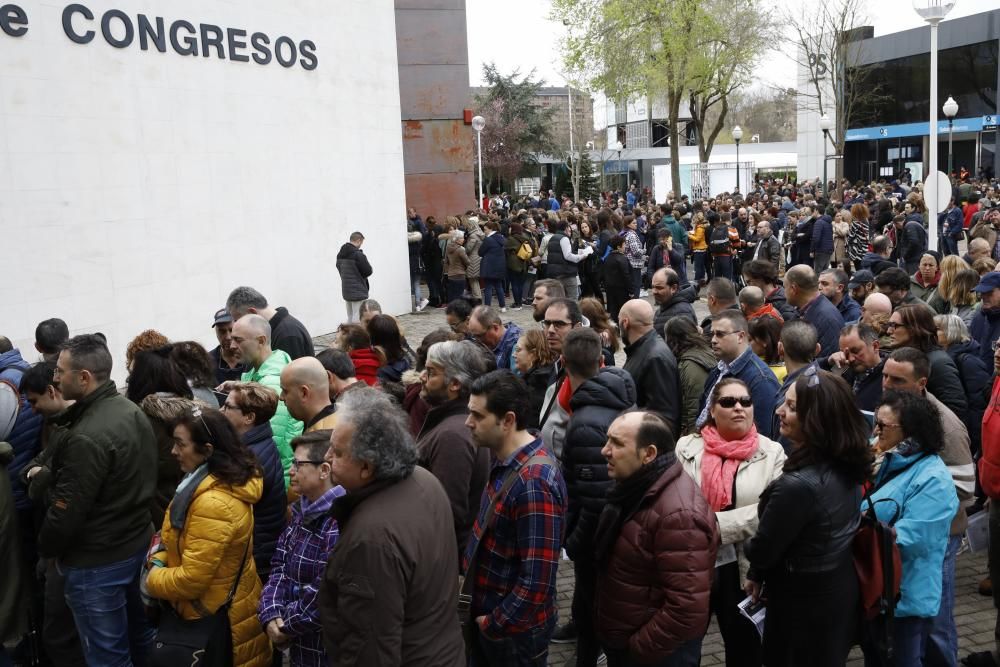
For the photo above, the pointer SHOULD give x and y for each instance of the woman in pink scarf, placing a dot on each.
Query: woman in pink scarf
(732, 464)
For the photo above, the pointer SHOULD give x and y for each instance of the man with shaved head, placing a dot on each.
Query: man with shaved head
(650, 363)
(753, 305)
(305, 390)
(252, 336)
(875, 312)
(802, 291)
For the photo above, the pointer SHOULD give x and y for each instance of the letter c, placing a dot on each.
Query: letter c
(67, 21)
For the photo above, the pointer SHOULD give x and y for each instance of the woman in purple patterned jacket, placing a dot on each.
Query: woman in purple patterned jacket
(289, 609)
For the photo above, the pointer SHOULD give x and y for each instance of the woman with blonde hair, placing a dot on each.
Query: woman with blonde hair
(534, 361)
(841, 233)
(950, 267)
(600, 322)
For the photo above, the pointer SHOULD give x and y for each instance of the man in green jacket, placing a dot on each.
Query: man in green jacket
(252, 337)
(98, 522)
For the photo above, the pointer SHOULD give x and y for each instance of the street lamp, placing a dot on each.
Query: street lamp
(825, 124)
(737, 135)
(933, 12)
(478, 123)
(950, 110)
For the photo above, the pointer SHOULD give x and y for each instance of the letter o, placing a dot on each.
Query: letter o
(109, 36)
(285, 41)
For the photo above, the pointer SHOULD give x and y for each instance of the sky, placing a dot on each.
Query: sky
(523, 37)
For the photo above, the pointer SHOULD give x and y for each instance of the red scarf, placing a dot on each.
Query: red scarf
(719, 463)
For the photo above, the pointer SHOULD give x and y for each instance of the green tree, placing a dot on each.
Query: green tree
(516, 128)
(589, 184)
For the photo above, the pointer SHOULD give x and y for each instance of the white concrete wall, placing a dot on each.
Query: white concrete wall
(809, 136)
(138, 187)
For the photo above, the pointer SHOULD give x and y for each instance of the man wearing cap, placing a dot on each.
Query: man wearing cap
(985, 326)
(226, 356)
(861, 284)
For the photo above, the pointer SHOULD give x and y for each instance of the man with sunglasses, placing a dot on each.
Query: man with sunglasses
(731, 345)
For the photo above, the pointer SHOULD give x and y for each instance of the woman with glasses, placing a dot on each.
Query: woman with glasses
(914, 492)
(913, 326)
(289, 609)
(206, 536)
(801, 560)
(732, 464)
(249, 408)
(534, 362)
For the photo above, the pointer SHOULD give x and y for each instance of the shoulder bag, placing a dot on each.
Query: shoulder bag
(202, 642)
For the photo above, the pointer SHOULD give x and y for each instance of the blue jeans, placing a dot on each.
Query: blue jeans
(525, 649)
(942, 644)
(687, 654)
(909, 639)
(723, 266)
(516, 281)
(108, 612)
(494, 285)
(699, 265)
(415, 288)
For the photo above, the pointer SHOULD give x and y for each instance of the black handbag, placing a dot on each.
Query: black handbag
(202, 642)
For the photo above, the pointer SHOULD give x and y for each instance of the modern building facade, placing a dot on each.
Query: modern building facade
(889, 132)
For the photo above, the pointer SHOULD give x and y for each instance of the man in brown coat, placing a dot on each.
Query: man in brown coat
(655, 546)
(389, 590)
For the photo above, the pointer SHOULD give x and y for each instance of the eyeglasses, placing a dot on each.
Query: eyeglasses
(881, 425)
(227, 406)
(298, 464)
(891, 326)
(722, 334)
(556, 324)
(730, 402)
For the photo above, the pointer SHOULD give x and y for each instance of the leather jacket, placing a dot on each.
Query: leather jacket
(808, 519)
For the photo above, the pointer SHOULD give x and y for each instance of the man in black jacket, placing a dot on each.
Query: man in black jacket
(673, 299)
(598, 397)
(354, 270)
(98, 523)
(287, 333)
(650, 363)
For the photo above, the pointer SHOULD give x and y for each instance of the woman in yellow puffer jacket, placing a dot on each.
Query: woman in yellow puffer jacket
(207, 530)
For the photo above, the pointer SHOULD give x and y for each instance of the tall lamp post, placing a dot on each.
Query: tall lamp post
(950, 110)
(825, 124)
(933, 12)
(478, 123)
(737, 135)
(619, 147)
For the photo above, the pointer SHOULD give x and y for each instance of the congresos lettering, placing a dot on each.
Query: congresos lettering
(185, 38)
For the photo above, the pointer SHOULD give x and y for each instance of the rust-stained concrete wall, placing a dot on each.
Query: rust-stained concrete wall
(433, 55)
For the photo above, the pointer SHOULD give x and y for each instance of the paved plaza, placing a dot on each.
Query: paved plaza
(974, 614)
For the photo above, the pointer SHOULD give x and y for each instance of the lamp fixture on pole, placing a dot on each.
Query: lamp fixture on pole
(737, 135)
(950, 111)
(478, 123)
(825, 124)
(933, 12)
(618, 147)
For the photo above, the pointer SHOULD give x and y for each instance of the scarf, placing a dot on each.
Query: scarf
(185, 494)
(622, 501)
(720, 462)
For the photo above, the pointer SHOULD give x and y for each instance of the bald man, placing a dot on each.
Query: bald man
(650, 362)
(252, 337)
(305, 389)
(978, 248)
(802, 291)
(876, 309)
(754, 305)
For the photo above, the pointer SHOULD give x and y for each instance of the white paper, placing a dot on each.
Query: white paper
(754, 613)
(726, 555)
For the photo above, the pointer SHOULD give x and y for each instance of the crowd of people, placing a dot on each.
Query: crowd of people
(370, 503)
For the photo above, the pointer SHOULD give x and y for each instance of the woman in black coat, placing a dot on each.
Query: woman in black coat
(617, 276)
(534, 362)
(493, 269)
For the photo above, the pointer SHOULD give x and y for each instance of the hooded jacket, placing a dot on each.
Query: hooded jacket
(456, 261)
(822, 236)
(203, 561)
(679, 305)
(103, 478)
(366, 365)
(473, 240)
(923, 490)
(504, 351)
(354, 271)
(594, 405)
(493, 264)
(283, 426)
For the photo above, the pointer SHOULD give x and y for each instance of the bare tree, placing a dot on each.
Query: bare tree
(828, 41)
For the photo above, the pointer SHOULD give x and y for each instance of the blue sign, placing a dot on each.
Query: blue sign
(616, 167)
(977, 124)
(989, 122)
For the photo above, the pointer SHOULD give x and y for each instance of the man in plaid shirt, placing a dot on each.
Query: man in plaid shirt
(514, 557)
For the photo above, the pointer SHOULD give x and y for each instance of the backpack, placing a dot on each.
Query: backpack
(879, 568)
(719, 242)
(525, 252)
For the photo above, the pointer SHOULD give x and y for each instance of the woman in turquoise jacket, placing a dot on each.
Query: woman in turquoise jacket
(914, 483)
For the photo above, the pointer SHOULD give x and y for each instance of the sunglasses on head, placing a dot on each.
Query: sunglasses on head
(731, 401)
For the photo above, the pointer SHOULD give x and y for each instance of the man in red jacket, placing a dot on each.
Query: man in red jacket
(655, 546)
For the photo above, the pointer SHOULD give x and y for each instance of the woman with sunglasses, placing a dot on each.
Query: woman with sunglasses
(206, 536)
(289, 609)
(732, 464)
(914, 491)
(801, 560)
